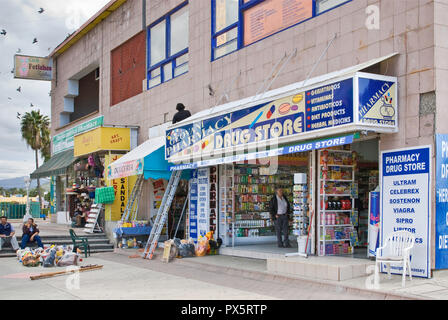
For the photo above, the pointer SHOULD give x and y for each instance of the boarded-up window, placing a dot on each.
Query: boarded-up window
(128, 68)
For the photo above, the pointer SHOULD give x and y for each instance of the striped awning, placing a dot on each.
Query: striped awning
(58, 164)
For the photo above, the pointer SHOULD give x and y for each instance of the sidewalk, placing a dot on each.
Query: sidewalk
(46, 228)
(418, 288)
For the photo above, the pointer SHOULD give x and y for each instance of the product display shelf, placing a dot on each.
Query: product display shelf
(328, 217)
(226, 203)
(250, 184)
(300, 206)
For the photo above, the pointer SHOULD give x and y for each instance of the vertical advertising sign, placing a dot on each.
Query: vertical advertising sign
(203, 202)
(114, 211)
(193, 209)
(374, 225)
(441, 244)
(405, 202)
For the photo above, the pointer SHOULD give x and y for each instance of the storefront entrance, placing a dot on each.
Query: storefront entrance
(335, 212)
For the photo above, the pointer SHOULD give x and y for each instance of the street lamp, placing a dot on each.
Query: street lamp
(27, 185)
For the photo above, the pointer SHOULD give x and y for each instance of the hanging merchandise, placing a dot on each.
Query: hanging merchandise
(105, 195)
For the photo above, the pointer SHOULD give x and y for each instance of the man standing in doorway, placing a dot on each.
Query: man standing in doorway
(181, 113)
(280, 209)
(7, 234)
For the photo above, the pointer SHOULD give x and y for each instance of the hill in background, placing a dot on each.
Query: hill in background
(19, 182)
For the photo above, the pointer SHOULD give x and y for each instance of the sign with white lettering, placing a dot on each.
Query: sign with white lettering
(441, 245)
(346, 104)
(203, 202)
(405, 202)
(193, 206)
(303, 147)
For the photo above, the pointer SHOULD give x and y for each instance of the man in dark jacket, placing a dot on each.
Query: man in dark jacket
(30, 234)
(181, 113)
(280, 209)
(7, 234)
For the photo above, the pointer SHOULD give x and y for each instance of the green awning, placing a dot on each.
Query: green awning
(57, 164)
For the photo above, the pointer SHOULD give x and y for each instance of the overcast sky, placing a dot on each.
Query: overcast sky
(23, 23)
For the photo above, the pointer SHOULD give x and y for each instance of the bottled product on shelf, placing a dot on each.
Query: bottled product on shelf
(253, 189)
(300, 207)
(337, 234)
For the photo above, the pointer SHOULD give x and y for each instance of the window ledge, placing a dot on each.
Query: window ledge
(77, 120)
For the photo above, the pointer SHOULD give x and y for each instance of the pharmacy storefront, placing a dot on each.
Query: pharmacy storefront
(319, 143)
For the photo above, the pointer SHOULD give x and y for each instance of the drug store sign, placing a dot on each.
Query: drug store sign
(351, 103)
(405, 202)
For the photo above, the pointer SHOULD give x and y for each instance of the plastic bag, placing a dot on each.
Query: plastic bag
(31, 260)
(202, 247)
(68, 259)
(186, 250)
(49, 260)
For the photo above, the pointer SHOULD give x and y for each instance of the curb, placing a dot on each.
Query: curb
(267, 276)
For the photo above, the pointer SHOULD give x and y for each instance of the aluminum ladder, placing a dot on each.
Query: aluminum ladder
(92, 224)
(132, 205)
(162, 214)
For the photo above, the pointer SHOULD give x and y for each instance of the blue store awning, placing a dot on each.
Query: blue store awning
(147, 159)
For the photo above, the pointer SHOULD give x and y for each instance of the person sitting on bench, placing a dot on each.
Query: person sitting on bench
(30, 234)
(7, 234)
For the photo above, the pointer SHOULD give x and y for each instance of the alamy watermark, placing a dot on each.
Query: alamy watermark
(373, 17)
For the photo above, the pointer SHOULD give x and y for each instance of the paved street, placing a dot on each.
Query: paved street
(126, 278)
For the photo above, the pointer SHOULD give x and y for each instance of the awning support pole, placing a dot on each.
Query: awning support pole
(274, 73)
(318, 60)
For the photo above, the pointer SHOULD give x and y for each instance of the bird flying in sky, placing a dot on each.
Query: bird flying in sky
(41, 10)
(18, 115)
(3, 32)
(34, 40)
(19, 89)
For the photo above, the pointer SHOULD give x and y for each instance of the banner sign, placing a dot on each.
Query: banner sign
(193, 206)
(33, 68)
(126, 169)
(441, 245)
(270, 17)
(203, 202)
(103, 138)
(307, 146)
(406, 202)
(291, 118)
(65, 140)
(114, 211)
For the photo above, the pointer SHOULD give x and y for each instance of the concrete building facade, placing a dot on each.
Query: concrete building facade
(365, 29)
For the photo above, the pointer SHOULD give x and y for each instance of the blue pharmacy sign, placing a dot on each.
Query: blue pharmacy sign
(406, 202)
(330, 105)
(193, 207)
(441, 245)
(350, 103)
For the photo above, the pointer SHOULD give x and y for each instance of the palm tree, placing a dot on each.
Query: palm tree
(34, 127)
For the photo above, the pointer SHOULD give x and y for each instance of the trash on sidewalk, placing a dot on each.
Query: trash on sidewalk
(52, 274)
(187, 248)
(49, 256)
